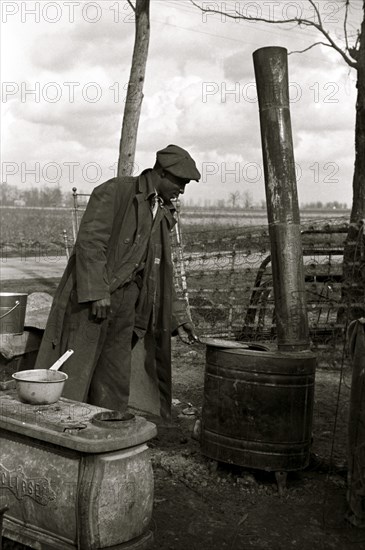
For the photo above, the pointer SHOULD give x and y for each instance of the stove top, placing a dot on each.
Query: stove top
(74, 425)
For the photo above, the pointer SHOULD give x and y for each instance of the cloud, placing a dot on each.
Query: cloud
(217, 121)
(58, 58)
(236, 68)
(105, 44)
(199, 92)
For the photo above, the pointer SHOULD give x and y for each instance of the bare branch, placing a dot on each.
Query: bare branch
(298, 20)
(131, 5)
(250, 18)
(332, 43)
(357, 41)
(317, 12)
(345, 24)
(311, 46)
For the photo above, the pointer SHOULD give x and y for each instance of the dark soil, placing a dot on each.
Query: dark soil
(200, 504)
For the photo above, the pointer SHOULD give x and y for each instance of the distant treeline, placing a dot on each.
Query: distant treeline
(44, 196)
(47, 196)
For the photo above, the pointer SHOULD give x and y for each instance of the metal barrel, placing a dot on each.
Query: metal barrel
(271, 73)
(258, 407)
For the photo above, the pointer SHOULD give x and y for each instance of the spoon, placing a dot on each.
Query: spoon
(61, 360)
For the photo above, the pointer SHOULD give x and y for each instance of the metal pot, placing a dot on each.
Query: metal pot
(42, 386)
(39, 386)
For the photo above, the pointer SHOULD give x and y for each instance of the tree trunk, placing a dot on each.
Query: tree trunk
(354, 252)
(132, 110)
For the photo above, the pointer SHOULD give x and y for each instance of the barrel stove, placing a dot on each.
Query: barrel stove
(258, 401)
(74, 476)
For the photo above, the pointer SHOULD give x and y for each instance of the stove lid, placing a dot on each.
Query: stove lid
(74, 425)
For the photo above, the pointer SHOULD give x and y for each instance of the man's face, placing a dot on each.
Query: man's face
(170, 187)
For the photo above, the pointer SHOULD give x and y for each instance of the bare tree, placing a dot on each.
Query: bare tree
(234, 197)
(133, 105)
(247, 199)
(354, 55)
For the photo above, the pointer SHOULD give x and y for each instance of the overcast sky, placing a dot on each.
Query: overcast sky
(65, 66)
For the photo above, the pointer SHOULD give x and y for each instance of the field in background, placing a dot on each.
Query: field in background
(25, 230)
(217, 263)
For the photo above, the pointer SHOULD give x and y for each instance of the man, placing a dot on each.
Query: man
(118, 288)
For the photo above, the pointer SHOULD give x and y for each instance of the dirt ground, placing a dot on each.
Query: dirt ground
(202, 505)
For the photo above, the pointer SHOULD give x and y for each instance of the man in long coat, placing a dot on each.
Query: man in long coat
(118, 287)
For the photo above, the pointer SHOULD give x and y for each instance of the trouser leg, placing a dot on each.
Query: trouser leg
(110, 383)
(85, 336)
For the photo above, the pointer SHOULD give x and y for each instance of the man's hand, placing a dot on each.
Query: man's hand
(186, 333)
(100, 309)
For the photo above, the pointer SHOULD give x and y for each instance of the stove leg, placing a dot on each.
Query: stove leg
(281, 481)
(2, 512)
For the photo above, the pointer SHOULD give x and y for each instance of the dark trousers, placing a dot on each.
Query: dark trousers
(109, 386)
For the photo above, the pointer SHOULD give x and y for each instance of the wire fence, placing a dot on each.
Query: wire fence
(228, 280)
(223, 273)
(229, 290)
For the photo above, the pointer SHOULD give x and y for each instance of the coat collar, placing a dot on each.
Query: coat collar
(147, 188)
(147, 191)
(145, 184)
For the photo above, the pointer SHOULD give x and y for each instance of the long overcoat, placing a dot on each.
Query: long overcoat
(107, 252)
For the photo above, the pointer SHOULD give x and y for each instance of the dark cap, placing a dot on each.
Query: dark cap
(178, 162)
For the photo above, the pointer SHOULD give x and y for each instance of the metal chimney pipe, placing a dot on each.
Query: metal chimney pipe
(271, 73)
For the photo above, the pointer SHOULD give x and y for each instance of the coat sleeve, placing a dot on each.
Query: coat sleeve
(92, 244)
(179, 312)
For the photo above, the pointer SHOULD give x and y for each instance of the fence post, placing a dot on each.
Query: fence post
(231, 291)
(180, 259)
(75, 221)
